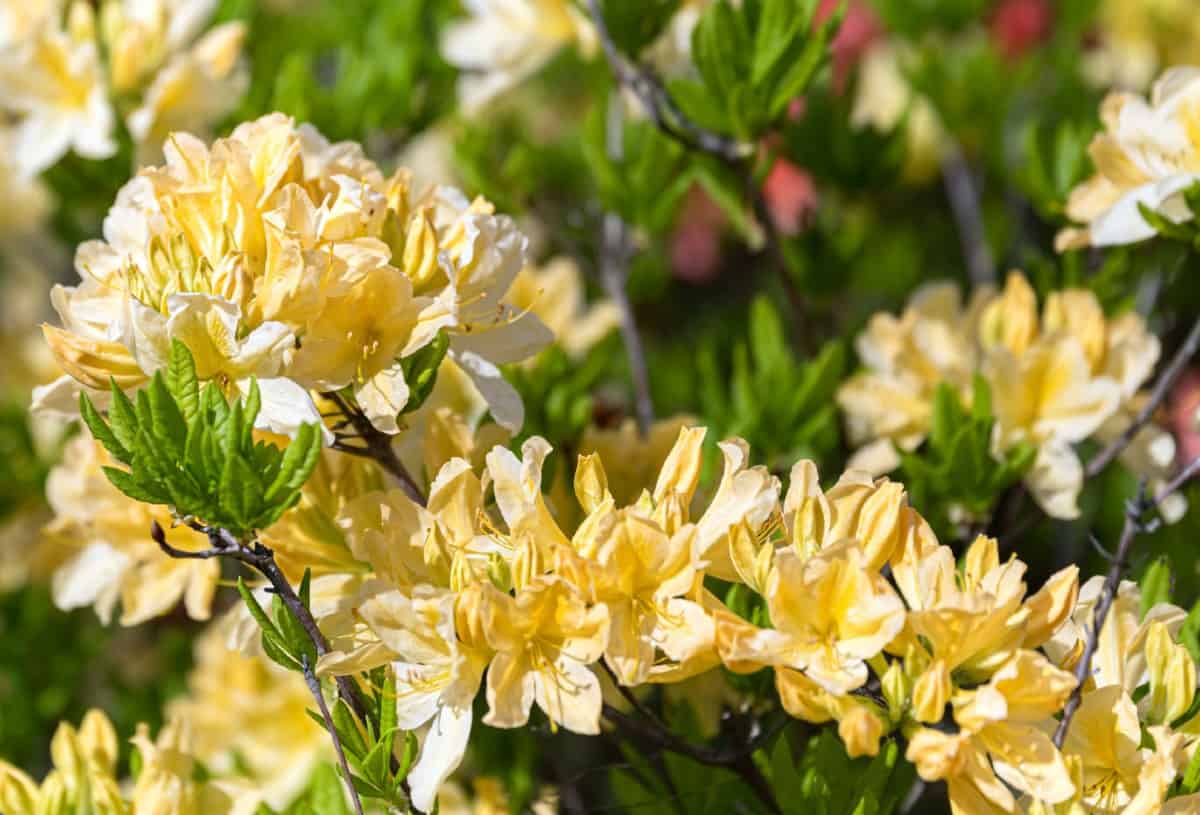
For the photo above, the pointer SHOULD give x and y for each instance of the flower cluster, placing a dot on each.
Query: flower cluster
(1147, 156)
(1057, 379)
(66, 71)
(276, 255)
(84, 777)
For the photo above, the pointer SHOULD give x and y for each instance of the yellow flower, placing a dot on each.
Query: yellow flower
(82, 778)
(830, 614)
(969, 624)
(632, 463)
(1070, 375)
(503, 42)
(544, 639)
(275, 254)
(555, 292)
(247, 716)
(1119, 775)
(167, 781)
(1136, 38)
(101, 540)
(1147, 155)
(53, 80)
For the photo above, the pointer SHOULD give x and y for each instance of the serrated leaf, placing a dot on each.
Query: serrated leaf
(101, 431)
(122, 418)
(135, 489)
(182, 381)
(168, 423)
(297, 464)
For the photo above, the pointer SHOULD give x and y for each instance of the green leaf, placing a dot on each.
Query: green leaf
(135, 489)
(1156, 583)
(122, 418)
(297, 464)
(182, 381)
(778, 25)
(421, 369)
(100, 429)
(168, 423)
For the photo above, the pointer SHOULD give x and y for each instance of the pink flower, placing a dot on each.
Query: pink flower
(1018, 25)
(791, 196)
(860, 28)
(1181, 411)
(696, 241)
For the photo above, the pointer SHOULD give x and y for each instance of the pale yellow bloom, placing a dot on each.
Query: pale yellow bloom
(1148, 154)
(503, 42)
(1056, 379)
(51, 77)
(885, 100)
(1137, 38)
(247, 717)
(277, 255)
(830, 615)
(167, 783)
(555, 292)
(632, 463)
(82, 779)
(544, 639)
(101, 539)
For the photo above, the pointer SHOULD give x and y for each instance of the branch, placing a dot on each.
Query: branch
(672, 121)
(314, 686)
(377, 446)
(614, 273)
(964, 204)
(1162, 387)
(739, 760)
(261, 558)
(1135, 511)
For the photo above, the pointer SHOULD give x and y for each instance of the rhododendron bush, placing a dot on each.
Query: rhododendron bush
(669, 406)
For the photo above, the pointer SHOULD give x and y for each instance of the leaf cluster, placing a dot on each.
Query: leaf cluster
(189, 448)
(371, 745)
(753, 60)
(956, 467)
(782, 405)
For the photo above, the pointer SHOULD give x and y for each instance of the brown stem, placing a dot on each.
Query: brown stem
(964, 204)
(739, 760)
(314, 687)
(671, 120)
(1162, 387)
(377, 446)
(614, 274)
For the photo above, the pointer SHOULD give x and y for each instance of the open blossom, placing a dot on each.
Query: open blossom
(555, 292)
(1057, 379)
(99, 539)
(1148, 155)
(503, 42)
(276, 255)
(67, 72)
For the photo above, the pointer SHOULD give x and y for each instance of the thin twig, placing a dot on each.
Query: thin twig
(1135, 511)
(671, 120)
(377, 446)
(1162, 388)
(614, 273)
(314, 687)
(964, 204)
(262, 559)
(739, 760)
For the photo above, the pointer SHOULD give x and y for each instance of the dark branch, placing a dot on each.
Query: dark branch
(314, 687)
(614, 274)
(672, 121)
(649, 731)
(377, 445)
(964, 204)
(1162, 387)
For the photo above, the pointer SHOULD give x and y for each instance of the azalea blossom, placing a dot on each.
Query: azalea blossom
(1147, 155)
